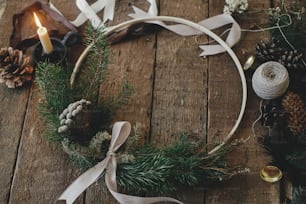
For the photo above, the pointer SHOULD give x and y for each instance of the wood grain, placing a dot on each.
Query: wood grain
(131, 61)
(179, 97)
(223, 108)
(13, 105)
(42, 170)
(175, 91)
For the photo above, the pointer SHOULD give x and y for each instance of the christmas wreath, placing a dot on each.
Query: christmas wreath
(79, 121)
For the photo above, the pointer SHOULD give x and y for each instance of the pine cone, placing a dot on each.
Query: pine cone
(272, 113)
(272, 51)
(15, 67)
(268, 51)
(292, 60)
(296, 113)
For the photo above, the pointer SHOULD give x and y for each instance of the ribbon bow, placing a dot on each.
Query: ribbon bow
(120, 133)
(184, 30)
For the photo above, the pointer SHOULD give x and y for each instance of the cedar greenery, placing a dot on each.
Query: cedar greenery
(93, 71)
(140, 169)
(183, 163)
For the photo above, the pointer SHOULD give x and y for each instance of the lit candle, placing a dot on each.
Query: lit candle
(43, 36)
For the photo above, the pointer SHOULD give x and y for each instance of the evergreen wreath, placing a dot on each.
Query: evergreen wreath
(78, 121)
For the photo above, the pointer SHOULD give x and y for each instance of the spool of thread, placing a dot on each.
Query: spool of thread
(270, 80)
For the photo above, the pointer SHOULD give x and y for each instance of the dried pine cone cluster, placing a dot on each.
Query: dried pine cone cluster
(271, 51)
(15, 67)
(295, 109)
(68, 116)
(271, 113)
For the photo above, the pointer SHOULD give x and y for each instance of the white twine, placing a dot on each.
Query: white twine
(270, 80)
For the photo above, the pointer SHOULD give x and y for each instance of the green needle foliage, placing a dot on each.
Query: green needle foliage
(140, 169)
(52, 80)
(93, 69)
(162, 170)
(57, 94)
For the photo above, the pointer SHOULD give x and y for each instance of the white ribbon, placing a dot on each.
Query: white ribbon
(120, 133)
(88, 12)
(183, 30)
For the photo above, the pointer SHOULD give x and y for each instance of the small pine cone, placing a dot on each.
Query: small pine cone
(268, 51)
(272, 113)
(15, 67)
(292, 60)
(295, 109)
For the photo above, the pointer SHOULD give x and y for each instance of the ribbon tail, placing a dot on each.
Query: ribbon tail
(210, 23)
(128, 199)
(96, 7)
(138, 13)
(53, 7)
(109, 10)
(232, 38)
(83, 182)
(89, 13)
(153, 8)
(211, 50)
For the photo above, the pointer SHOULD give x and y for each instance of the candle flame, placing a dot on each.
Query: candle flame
(37, 21)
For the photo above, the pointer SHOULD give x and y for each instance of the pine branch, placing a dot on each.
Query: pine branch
(162, 170)
(75, 156)
(93, 70)
(52, 80)
(51, 122)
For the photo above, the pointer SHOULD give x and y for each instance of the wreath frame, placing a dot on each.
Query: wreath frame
(166, 155)
(194, 25)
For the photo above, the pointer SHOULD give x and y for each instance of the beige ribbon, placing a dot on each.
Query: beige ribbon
(184, 30)
(120, 133)
(88, 12)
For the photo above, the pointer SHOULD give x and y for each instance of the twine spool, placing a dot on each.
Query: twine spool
(270, 80)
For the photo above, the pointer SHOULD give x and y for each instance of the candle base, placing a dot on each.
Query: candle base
(58, 54)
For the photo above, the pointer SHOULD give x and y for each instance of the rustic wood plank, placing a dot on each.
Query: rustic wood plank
(179, 104)
(224, 104)
(179, 97)
(2, 7)
(13, 107)
(132, 61)
(42, 171)
(179, 100)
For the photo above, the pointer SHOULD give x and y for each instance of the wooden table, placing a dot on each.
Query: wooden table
(176, 91)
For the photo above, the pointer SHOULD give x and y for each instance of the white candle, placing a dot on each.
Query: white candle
(43, 36)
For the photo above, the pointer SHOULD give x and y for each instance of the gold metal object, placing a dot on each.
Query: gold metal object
(249, 62)
(271, 174)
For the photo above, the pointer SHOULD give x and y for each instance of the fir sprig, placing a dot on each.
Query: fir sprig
(162, 170)
(93, 70)
(57, 94)
(52, 80)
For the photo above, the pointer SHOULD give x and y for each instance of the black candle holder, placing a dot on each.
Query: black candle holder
(59, 53)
